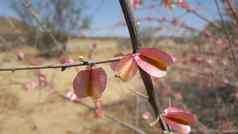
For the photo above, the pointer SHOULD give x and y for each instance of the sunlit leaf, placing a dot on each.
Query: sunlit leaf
(90, 82)
(156, 57)
(148, 67)
(126, 68)
(179, 116)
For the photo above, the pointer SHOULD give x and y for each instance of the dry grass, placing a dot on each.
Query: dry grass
(36, 112)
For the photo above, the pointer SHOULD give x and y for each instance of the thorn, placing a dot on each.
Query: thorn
(63, 69)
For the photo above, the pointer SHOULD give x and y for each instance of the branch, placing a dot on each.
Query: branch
(194, 12)
(108, 116)
(233, 11)
(228, 36)
(61, 66)
(131, 24)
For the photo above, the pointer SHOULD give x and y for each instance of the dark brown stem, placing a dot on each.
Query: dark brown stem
(131, 24)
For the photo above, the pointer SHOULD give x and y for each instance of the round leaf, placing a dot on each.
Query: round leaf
(91, 82)
(149, 68)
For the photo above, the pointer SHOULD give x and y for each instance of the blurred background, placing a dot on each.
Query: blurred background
(201, 35)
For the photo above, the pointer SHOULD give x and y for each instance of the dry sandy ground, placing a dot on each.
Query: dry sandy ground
(36, 112)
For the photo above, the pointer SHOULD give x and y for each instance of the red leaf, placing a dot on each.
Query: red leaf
(185, 5)
(168, 3)
(179, 116)
(91, 82)
(178, 128)
(156, 57)
(126, 67)
(149, 68)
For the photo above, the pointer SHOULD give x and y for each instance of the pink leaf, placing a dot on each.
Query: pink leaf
(90, 82)
(157, 55)
(72, 96)
(178, 128)
(30, 85)
(136, 3)
(20, 54)
(146, 116)
(42, 79)
(66, 60)
(149, 68)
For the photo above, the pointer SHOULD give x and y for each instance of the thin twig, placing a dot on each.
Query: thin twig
(28, 5)
(61, 66)
(115, 120)
(194, 12)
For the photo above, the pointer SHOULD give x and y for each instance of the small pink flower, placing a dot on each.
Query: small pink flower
(30, 85)
(72, 96)
(20, 54)
(136, 3)
(178, 120)
(146, 115)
